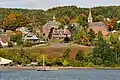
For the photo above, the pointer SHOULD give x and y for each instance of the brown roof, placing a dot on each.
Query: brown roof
(4, 38)
(67, 32)
(99, 26)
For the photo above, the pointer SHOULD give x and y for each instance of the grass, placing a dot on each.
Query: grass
(54, 51)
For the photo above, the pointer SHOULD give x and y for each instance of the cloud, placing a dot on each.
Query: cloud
(45, 4)
(41, 4)
(11, 3)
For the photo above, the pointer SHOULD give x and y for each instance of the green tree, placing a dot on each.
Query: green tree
(16, 38)
(99, 18)
(67, 53)
(91, 35)
(81, 21)
(80, 56)
(114, 38)
(102, 53)
(116, 51)
(117, 26)
(10, 44)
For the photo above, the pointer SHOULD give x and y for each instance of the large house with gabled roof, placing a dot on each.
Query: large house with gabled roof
(51, 30)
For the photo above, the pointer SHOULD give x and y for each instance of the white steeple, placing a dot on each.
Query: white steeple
(90, 17)
(54, 19)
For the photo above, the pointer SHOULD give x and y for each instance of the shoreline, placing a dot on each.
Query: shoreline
(56, 68)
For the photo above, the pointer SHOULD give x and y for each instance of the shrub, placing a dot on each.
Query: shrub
(80, 56)
(16, 37)
(10, 44)
(66, 39)
(27, 44)
(65, 63)
(84, 43)
(67, 53)
(90, 64)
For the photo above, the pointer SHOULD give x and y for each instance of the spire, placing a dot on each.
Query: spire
(90, 16)
(54, 19)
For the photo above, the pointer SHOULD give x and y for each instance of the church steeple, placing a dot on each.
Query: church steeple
(54, 19)
(90, 17)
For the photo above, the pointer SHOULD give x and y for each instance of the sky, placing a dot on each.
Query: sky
(46, 4)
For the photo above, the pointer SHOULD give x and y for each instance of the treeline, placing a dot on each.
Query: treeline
(65, 13)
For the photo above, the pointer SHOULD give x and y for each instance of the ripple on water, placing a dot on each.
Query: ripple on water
(60, 75)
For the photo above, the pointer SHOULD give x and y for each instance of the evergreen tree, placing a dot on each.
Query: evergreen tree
(102, 53)
(80, 56)
(116, 51)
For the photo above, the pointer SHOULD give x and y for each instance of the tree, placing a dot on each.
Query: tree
(66, 39)
(66, 54)
(10, 44)
(91, 35)
(114, 38)
(81, 21)
(16, 37)
(102, 53)
(117, 26)
(13, 21)
(80, 56)
(99, 18)
(79, 36)
(116, 51)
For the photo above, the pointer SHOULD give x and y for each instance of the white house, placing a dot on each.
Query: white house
(24, 30)
(30, 37)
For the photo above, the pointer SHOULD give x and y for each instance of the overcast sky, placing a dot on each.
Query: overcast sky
(45, 4)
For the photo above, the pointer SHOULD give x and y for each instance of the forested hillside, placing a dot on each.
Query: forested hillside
(65, 14)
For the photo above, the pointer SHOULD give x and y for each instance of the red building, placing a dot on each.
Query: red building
(52, 27)
(99, 26)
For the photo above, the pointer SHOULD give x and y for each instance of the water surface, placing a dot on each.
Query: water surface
(60, 75)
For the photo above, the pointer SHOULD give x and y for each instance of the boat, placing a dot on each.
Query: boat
(46, 68)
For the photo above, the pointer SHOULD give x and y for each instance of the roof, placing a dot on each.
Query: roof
(99, 26)
(52, 23)
(30, 34)
(4, 38)
(67, 32)
(22, 29)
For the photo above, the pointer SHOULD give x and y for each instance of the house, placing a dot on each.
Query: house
(30, 36)
(4, 61)
(24, 30)
(50, 25)
(52, 30)
(61, 33)
(4, 39)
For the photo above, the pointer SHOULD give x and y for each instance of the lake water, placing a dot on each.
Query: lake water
(60, 75)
